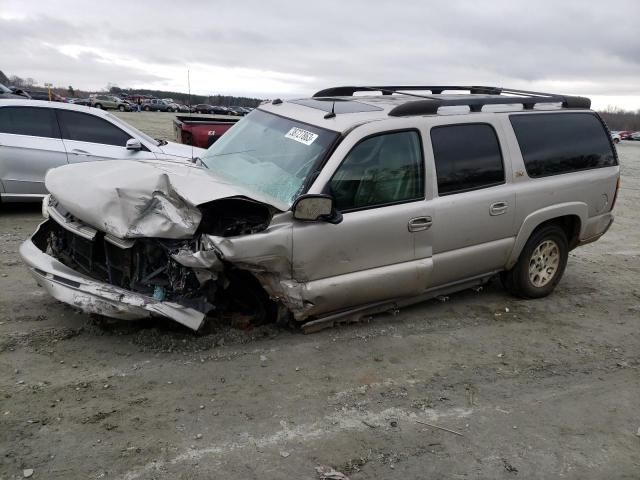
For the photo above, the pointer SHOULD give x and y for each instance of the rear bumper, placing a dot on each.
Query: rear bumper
(92, 296)
(596, 227)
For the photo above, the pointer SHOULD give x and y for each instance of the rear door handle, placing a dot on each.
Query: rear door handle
(419, 223)
(498, 208)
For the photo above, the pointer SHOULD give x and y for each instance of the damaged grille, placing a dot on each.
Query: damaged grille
(144, 266)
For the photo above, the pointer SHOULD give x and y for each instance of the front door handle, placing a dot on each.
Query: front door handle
(498, 208)
(419, 223)
(77, 151)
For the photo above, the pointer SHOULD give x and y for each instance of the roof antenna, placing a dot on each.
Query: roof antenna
(332, 113)
(189, 87)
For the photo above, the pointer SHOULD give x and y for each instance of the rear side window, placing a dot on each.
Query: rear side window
(467, 157)
(89, 128)
(557, 143)
(36, 122)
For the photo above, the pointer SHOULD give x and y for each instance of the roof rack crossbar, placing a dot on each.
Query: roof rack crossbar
(402, 89)
(479, 97)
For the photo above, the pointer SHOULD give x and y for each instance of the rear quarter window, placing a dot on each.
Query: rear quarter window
(552, 144)
(35, 122)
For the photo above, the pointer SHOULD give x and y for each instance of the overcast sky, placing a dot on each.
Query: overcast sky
(287, 48)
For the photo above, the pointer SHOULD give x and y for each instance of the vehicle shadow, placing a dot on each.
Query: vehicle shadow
(10, 209)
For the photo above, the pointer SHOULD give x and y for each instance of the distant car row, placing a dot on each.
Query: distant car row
(219, 110)
(124, 104)
(618, 135)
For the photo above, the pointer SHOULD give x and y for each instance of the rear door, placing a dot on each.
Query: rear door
(474, 211)
(30, 144)
(88, 137)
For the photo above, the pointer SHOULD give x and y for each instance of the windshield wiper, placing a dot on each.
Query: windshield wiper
(231, 153)
(161, 141)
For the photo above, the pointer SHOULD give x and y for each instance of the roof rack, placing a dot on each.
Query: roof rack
(484, 95)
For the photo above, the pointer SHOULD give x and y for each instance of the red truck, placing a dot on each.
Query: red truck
(200, 131)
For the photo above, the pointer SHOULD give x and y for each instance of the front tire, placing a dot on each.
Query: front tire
(541, 264)
(121, 108)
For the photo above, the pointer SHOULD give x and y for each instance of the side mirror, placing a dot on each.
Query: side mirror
(134, 144)
(314, 208)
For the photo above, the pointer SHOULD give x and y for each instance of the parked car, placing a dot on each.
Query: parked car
(44, 95)
(36, 136)
(200, 131)
(238, 111)
(203, 108)
(331, 207)
(110, 102)
(81, 101)
(156, 105)
(624, 134)
(6, 93)
(634, 136)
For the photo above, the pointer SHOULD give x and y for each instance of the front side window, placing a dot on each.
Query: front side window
(467, 157)
(380, 170)
(557, 143)
(83, 127)
(36, 122)
(268, 154)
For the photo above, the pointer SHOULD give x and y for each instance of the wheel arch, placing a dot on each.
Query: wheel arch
(571, 217)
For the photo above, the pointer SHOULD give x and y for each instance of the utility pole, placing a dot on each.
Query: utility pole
(49, 85)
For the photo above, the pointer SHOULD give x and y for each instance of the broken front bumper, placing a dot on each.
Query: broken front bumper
(92, 296)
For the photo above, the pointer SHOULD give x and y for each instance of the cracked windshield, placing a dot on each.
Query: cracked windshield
(269, 154)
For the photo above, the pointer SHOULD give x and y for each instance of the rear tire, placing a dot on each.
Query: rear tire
(98, 105)
(541, 264)
(146, 109)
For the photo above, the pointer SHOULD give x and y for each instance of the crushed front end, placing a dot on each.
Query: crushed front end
(182, 279)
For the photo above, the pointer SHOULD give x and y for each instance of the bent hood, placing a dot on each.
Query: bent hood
(133, 199)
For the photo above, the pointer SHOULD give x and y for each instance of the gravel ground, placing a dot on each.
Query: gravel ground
(532, 389)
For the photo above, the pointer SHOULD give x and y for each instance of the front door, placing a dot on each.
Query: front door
(381, 249)
(30, 144)
(89, 137)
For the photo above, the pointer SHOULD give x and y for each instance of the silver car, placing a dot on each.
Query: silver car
(36, 136)
(327, 208)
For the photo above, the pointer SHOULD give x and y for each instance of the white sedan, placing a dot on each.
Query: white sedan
(36, 136)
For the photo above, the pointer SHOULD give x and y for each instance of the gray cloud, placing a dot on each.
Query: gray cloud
(584, 47)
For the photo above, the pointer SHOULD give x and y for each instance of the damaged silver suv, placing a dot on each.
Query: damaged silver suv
(316, 210)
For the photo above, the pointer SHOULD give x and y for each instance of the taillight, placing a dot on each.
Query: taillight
(615, 195)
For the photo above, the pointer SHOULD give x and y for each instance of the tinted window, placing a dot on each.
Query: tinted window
(88, 128)
(38, 122)
(562, 142)
(467, 157)
(380, 170)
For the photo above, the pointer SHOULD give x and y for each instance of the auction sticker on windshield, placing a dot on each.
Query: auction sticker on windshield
(301, 135)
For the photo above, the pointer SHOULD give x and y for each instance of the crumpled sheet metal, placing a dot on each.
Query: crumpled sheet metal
(267, 255)
(134, 199)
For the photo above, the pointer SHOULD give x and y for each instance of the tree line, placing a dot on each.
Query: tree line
(618, 119)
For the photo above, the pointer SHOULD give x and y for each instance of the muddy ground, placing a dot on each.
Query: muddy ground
(533, 389)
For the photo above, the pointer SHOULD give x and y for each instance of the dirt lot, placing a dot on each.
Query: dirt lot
(535, 389)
